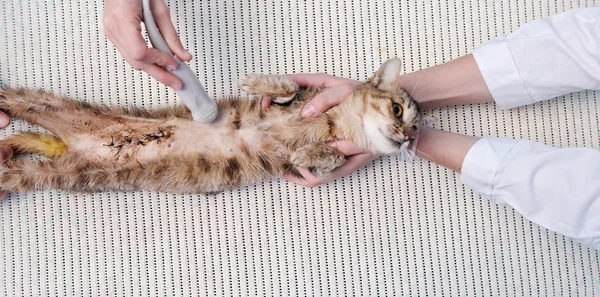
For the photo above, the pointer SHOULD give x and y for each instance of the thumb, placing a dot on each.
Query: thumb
(346, 147)
(327, 99)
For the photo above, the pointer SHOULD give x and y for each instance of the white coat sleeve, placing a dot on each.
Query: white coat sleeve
(543, 59)
(558, 189)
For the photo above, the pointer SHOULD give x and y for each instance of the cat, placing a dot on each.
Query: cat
(97, 148)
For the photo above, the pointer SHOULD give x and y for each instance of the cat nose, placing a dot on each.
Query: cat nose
(409, 133)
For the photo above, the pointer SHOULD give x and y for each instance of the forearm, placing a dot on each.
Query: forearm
(541, 60)
(444, 148)
(456, 82)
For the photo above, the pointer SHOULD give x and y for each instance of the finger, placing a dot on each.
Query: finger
(307, 179)
(312, 79)
(163, 76)
(352, 164)
(136, 51)
(265, 102)
(2, 195)
(327, 99)
(346, 147)
(154, 56)
(164, 23)
(4, 120)
(152, 61)
(138, 55)
(319, 80)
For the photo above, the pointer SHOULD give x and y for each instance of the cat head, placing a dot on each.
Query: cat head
(390, 117)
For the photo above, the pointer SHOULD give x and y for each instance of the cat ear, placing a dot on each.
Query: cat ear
(387, 73)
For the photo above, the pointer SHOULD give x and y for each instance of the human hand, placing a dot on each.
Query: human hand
(122, 20)
(357, 158)
(336, 90)
(5, 151)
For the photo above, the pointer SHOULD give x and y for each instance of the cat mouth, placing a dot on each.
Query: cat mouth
(394, 141)
(398, 143)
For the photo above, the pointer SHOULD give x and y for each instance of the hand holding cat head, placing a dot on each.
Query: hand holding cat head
(387, 115)
(391, 117)
(397, 122)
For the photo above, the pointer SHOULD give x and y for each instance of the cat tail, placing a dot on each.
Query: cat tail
(47, 145)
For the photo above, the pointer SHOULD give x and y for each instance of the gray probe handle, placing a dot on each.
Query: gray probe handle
(193, 94)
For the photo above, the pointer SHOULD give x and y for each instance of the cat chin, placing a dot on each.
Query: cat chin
(404, 147)
(381, 142)
(394, 147)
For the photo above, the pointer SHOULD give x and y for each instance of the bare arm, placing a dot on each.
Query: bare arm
(456, 82)
(455, 147)
(510, 74)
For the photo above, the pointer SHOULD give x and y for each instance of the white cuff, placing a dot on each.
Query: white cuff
(501, 74)
(481, 163)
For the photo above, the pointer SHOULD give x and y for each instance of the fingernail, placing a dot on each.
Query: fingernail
(176, 87)
(309, 111)
(332, 144)
(171, 67)
(188, 54)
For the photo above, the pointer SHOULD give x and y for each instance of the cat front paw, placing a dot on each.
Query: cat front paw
(278, 87)
(320, 159)
(248, 84)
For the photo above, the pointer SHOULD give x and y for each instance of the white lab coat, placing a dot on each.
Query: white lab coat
(558, 189)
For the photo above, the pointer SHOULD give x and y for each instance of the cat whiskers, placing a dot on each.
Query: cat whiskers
(408, 155)
(416, 85)
(427, 155)
(421, 92)
(415, 96)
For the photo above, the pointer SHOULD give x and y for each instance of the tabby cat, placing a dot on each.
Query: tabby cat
(97, 148)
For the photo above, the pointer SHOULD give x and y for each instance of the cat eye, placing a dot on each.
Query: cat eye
(397, 110)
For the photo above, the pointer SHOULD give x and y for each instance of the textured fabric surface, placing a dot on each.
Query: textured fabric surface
(393, 228)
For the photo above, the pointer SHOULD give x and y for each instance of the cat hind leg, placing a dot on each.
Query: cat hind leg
(18, 176)
(278, 87)
(59, 115)
(35, 105)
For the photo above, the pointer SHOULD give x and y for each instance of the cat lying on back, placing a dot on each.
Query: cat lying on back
(97, 148)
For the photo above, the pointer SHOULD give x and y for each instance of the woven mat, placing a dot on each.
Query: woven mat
(393, 228)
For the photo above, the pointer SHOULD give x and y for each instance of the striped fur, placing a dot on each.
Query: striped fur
(101, 148)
